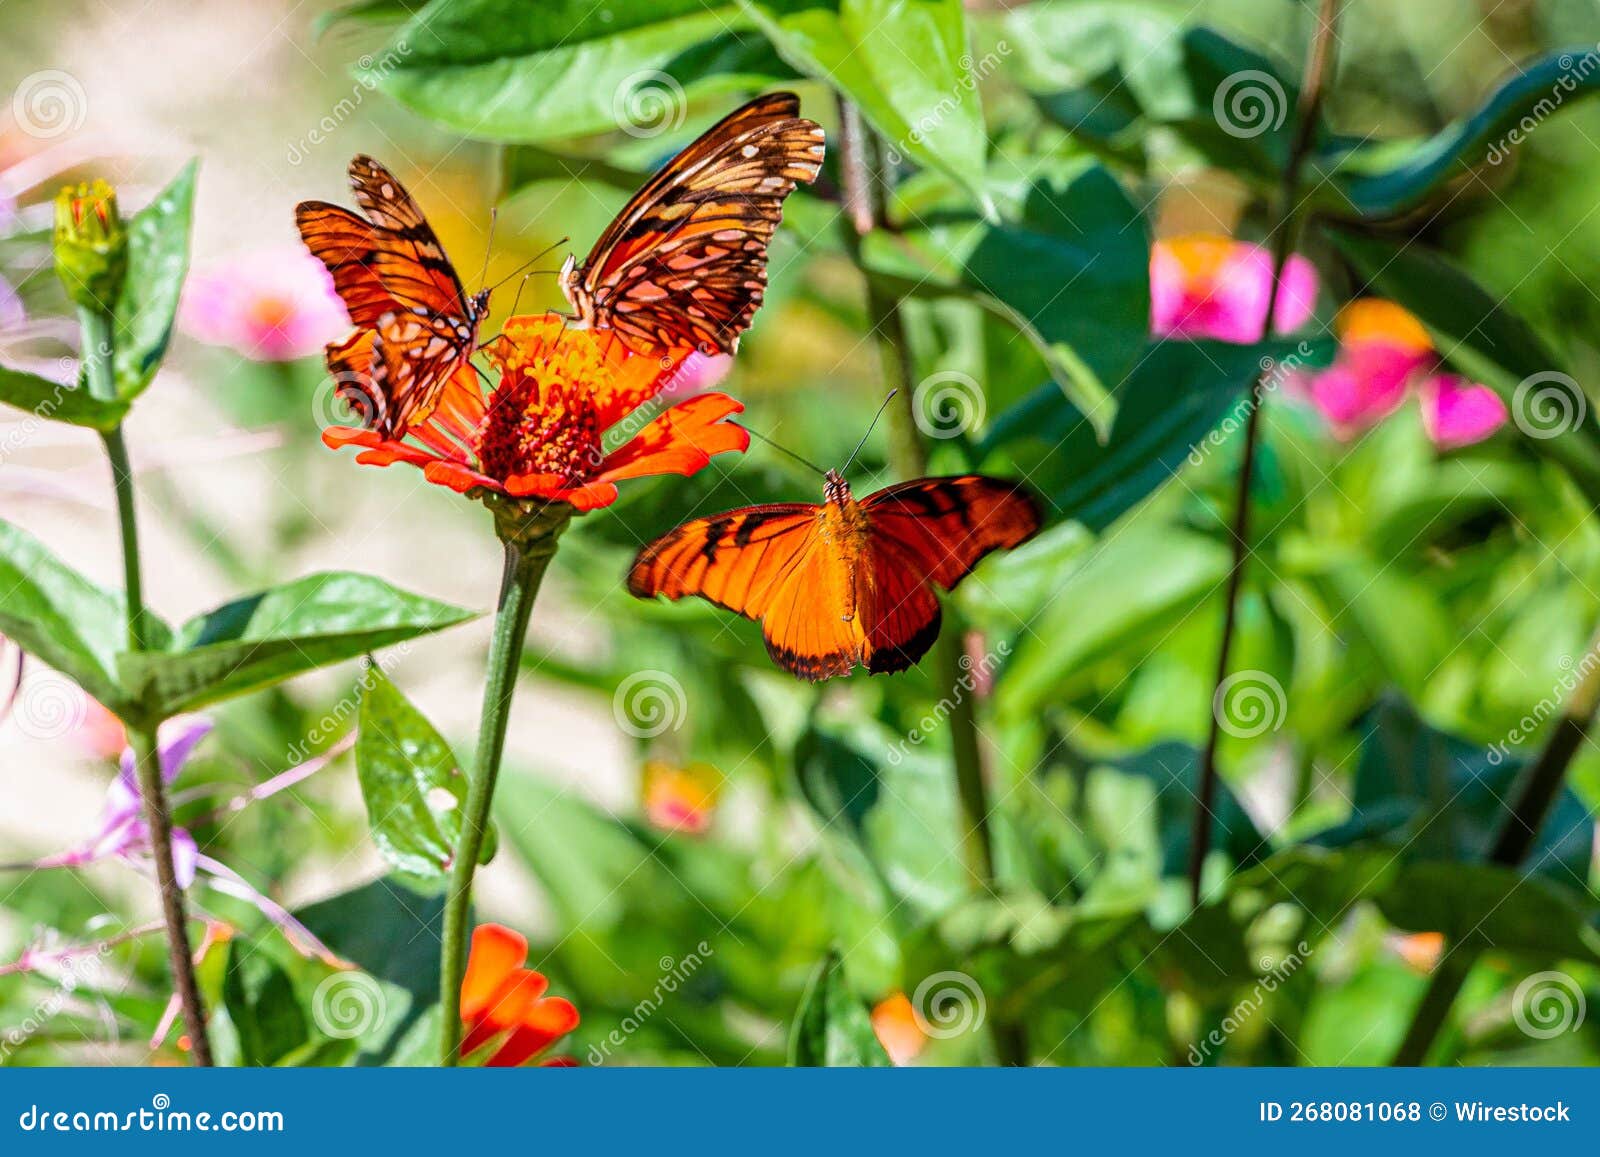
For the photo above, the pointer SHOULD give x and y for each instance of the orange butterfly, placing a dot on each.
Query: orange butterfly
(416, 328)
(845, 582)
(685, 262)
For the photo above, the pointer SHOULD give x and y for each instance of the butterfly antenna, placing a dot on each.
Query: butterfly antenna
(488, 249)
(872, 426)
(518, 298)
(539, 256)
(806, 462)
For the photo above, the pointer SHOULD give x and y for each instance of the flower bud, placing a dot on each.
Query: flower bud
(91, 245)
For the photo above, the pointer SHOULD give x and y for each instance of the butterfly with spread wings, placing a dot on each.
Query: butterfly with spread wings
(845, 582)
(416, 328)
(684, 265)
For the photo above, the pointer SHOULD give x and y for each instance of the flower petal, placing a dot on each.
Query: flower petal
(1457, 412)
(456, 476)
(546, 1022)
(679, 441)
(497, 952)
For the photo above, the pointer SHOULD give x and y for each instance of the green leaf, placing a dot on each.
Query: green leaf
(410, 780)
(832, 1028)
(158, 261)
(60, 617)
(904, 63)
(1092, 618)
(1072, 273)
(1178, 394)
(266, 638)
(58, 402)
(1491, 907)
(508, 71)
(260, 1001)
(1381, 180)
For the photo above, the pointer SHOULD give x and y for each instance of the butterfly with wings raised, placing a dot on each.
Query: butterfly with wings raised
(684, 265)
(843, 583)
(416, 328)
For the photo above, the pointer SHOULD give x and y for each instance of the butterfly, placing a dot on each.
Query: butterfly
(845, 582)
(684, 265)
(416, 328)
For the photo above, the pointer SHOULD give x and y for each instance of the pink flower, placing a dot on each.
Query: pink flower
(1207, 285)
(1384, 353)
(1456, 412)
(272, 306)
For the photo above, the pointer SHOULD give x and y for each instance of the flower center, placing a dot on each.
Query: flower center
(540, 427)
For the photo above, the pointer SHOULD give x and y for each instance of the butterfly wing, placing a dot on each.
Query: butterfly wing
(387, 268)
(928, 532)
(685, 262)
(415, 355)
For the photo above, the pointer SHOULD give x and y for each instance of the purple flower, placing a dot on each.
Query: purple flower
(273, 306)
(1207, 285)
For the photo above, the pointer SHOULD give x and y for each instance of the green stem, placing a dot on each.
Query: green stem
(864, 195)
(528, 552)
(1537, 790)
(99, 350)
(1318, 65)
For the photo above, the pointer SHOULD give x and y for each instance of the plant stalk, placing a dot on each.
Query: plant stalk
(1319, 62)
(99, 351)
(526, 560)
(864, 187)
(1537, 789)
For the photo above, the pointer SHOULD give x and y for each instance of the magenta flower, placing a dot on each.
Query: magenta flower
(272, 306)
(1385, 353)
(1205, 285)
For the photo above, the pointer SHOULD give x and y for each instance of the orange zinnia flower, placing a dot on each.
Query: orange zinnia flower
(504, 1004)
(541, 431)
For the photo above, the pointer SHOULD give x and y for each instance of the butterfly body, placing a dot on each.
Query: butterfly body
(844, 582)
(416, 327)
(684, 265)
